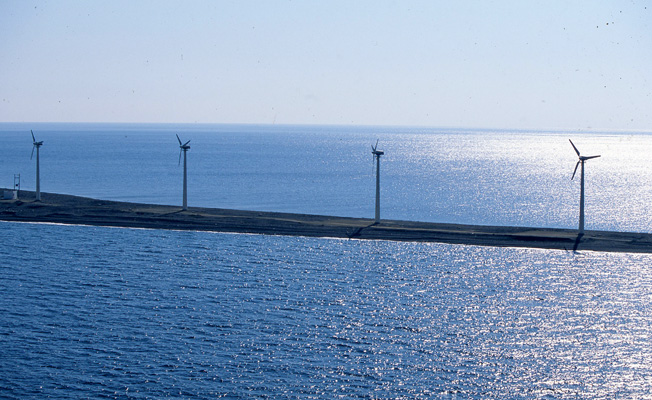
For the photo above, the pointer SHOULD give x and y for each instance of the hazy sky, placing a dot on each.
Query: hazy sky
(501, 64)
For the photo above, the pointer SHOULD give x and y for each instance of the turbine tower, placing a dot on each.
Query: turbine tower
(376, 154)
(37, 146)
(184, 148)
(581, 161)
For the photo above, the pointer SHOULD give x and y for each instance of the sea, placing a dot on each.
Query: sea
(116, 313)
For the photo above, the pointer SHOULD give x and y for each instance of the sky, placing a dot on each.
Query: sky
(553, 64)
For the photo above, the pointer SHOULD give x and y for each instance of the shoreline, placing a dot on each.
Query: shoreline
(75, 210)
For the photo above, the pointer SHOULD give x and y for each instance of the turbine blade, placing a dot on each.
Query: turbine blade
(33, 138)
(32, 156)
(179, 157)
(576, 165)
(185, 144)
(590, 157)
(577, 151)
(178, 140)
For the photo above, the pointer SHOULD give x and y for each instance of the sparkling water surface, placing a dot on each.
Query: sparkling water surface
(487, 177)
(125, 313)
(91, 312)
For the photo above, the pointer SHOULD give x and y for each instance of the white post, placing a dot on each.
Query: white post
(185, 182)
(377, 188)
(38, 176)
(581, 228)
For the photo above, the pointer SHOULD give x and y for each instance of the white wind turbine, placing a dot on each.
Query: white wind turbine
(376, 155)
(37, 146)
(184, 147)
(581, 161)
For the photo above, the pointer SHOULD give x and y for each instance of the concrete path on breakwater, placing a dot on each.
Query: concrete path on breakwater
(75, 210)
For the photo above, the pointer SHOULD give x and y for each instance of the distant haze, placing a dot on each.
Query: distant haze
(492, 64)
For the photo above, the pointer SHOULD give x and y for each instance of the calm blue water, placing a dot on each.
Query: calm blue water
(438, 175)
(90, 312)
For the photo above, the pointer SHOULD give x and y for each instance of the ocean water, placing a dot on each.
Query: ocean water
(93, 312)
(437, 175)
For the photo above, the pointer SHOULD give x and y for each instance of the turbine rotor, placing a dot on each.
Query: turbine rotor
(581, 158)
(182, 147)
(34, 144)
(576, 165)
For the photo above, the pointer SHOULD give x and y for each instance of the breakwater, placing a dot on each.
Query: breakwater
(75, 210)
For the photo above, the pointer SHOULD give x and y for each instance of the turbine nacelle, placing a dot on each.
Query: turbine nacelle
(183, 146)
(581, 158)
(376, 153)
(587, 157)
(35, 144)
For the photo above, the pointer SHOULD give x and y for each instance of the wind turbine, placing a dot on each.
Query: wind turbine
(581, 161)
(184, 148)
(376, 154)
(37, 146)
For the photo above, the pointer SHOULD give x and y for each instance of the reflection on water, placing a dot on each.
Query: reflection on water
(437, 175)
(119, 313)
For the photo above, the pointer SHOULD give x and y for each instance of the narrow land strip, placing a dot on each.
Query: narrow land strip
(75, 210)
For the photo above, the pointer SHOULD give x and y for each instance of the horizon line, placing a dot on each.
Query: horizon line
(535, 129)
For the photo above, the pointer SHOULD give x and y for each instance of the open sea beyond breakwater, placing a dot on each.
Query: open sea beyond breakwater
(130, 313)
(481, 177)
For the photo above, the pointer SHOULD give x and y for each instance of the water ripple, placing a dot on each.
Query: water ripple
(119, 313)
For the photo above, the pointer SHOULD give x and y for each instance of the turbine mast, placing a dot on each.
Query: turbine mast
(185, 181)
(38, 175)
(377, 217)
(184, 147)
(581, 161)
(581, 227)
(376, 154)
(37, 146)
